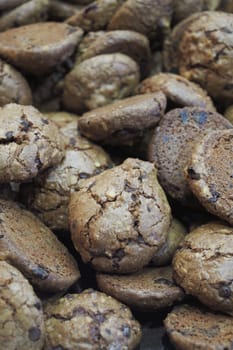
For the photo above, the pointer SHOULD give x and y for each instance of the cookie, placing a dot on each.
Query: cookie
(128, 42)
(149, 290)
(61, 10)
(209, 173)
(30, 143)
(176, 234)
(172, 143)
(179, 91)
(22, 319)
(13, 86)
(96, 15)
(123, 122)
(90, 320)
(7, 4)
(62, 118)
(118, 216)
(31, 12)
(37, 48)
(29, 245)
(203, 266)
(191, 327)
(99, 81)
(183, 8)
(204, 53)
(149, 17)
(48, 196)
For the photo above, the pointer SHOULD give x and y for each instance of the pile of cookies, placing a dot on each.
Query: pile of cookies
(116, 173)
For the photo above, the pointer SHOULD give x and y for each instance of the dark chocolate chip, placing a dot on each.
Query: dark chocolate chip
(126, 331)
(83, 175)
(193, 175)
(34, 333)
(100, 318)
(90, 8)
(214, 193)
(9, 135)
(164, 281)
(40, 272)
(45, 121)
(38, 306)
(184, 116)
(201, 118)
(25, 124)
(224, 292)
(165, 138)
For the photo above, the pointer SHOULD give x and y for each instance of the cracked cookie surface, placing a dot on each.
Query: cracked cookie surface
(203, 266)
(22, 321)
(90, 320)
(119, 216)
(29, 143)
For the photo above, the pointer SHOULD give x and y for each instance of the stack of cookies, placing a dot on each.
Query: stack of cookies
(116, 174)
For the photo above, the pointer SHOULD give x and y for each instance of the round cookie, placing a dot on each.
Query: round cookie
(205, 53)
(176, 234)
(13, 86)
(96, 15)
(150, 289)
(30, 246)
(99, 81)
(31, 12)
(124, 122)
(90, 320)
(209, 173)
(22, 321)
(29, 143)
(130, 43)
(118, 216)
(48, 196)
(149, 17)
(203, 266)
(37, 48)
(179, 91)
(190, 327)
(172, 143)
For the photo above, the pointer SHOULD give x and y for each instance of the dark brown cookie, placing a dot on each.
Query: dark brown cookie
(209, 173)
(149, 17)
(99, 81)
(31, 12)
(37, 48)
(150, 289)
(30, 246)
(176, 234)
(119, 216)
(205, 53)
(203, 266)
(22, 319)
(128, 42)
(172, 143)
(13, 86)
(183, 8)
(179, 91)
(124, 122)
(96, 15)
(29, 143)
(48, 196)
(90, 320)
(192, 328)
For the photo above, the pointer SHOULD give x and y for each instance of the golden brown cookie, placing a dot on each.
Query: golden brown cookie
(192, 328)
(99, 81)
(90, 320)
(118, 216)
(29, 143)
(209, 173)
(29, 245)
(37, 48)
(172, 143)
(124, 122)
(22, 319)
(203, 266)
(150, 289)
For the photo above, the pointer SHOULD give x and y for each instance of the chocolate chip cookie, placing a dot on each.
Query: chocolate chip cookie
(22, 321)
(90, 320)
(179, 91)
(203, 266)
(209, 173)
(190, 327)
(29, 143)
(172, 143)
(29, 245)
(124, 122)
(37, 48)
(118, 216)
(99, 81)
(150, 289)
